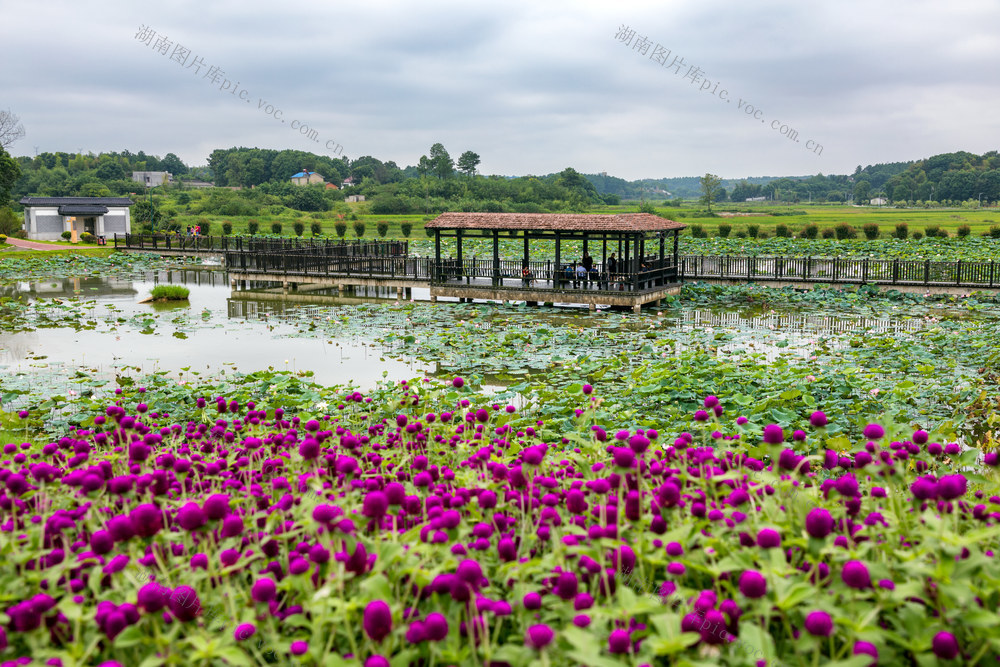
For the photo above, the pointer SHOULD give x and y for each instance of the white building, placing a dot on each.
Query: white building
(152, 178)
(46, 218)
(353, 199)
(878, 201)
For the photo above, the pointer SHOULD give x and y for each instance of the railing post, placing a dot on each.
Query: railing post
(927, 271)
(805, 269)
(895, 270)
(958, 272)
(991, 272)
(836, 268)
(864, 272)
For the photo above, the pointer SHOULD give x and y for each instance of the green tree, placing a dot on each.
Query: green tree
(173, 164)
(10, 172)
(9, 222)
(467, 163)
(441, 162)
(862, 192)
(711, 189)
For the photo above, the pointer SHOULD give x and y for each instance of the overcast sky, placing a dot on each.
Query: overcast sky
(531, 86)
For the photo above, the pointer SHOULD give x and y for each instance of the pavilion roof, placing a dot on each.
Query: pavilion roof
(573, 222)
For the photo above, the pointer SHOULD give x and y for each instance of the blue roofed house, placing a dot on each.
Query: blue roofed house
(306, 177)
(46, 218)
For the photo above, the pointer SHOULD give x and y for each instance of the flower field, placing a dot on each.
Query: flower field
(426, 525)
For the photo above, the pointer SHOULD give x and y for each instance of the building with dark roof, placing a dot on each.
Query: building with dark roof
(46, 218)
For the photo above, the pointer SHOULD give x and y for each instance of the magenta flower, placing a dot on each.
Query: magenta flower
(855, 575)
(768, 538)
(153, 597)
(538, 636)
(819, 523)
(147, 520)
(866, 648)
(377, 620)
(818, 419)
(184, 603)
(952, 486)
(298, 647)
(619, 641)
(457, 383)
(819, 624)
(375, 505)
(436, 627)
(587, 389)
(773, 434)
(945, 646)
(752, 584)
(263, 590)
(244, 631)
(190, 517)
(874, 432)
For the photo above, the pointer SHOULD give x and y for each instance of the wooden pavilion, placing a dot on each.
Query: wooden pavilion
(635, 258)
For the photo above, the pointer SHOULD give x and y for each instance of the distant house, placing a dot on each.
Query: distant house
(879, 201)
(152, 178)
(306, 178)
(198, 184)
(756, 199)
(354, 198)
(348, 182)
(331, 186)
(46, 218)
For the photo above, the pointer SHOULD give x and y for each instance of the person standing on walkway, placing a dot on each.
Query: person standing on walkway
(612, 268)
(588, 265)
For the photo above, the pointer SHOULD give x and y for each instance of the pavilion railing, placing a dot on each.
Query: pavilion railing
(841, 270)
(322, 264)
(217, 244)
(550, 275)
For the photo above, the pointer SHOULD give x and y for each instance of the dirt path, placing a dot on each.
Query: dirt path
(32, 245)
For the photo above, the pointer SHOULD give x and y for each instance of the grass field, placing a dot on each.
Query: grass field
(796, 216)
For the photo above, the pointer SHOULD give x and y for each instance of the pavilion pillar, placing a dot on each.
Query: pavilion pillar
(558, 272)
(496, 257)
(437, 255)
(525, 247)
(676, 240)
(458, 253)
(662, 271)
(604, 260)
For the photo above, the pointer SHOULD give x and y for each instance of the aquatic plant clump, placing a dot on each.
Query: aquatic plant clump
(430, 525)
(170, 293)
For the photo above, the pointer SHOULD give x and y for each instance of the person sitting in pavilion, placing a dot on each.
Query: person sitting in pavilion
(581, 276)
(527, 276)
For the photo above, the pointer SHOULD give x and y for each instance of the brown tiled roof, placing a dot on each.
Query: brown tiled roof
(622, 222)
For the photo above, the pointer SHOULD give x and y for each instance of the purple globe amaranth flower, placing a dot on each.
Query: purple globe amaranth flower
(619, 641)
(538, 636)
(752, 584)
(436, 627)
(773, 434)
(874, 432)
(701, 416)
(945, 646)
(768, 538)
(713, 627)
(855, 575)
(952, 486)
(457, 383)
(991, 459)
(216, 506)
(566, 586)
(819, 523)
(153, 597)
(263, 590)
(184, 603)
(377, 621)
(866, 648)
(924, 489)
(819, 624)
(375, 505)
(818, 419)
(588, 389)
(298, 647)
(711, 401)
(190, 517)
(309, 449)
(920, 436)
(147, 520)
(244, 631)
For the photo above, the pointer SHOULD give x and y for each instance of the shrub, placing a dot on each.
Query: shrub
(917, 236)
(204, 228)
(871, 230)
(942, 234)
(170, 293)
(227, 228)
(740, 234)
(316, 229)
(963, 231)
(845, 231)
(3, 239)
(995, 232)
(67, 235)
(276, 227)
(359, 228)
(724, 229)
(931, 231)
(340, 228)
(698, 232)
(406, 228)
(753, 230)
(19, 234)
(828, 233)
(809, 232)
(782, 231)
(87, 237)
(252, 227)
(299, 227)
(428, 232)
(382, 228)
(902, 231)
